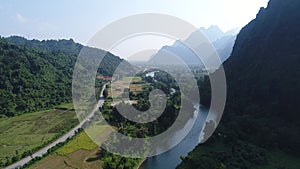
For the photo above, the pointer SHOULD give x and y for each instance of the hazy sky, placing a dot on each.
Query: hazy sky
(81, 19)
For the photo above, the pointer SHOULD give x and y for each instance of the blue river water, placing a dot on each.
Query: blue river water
(171, 158)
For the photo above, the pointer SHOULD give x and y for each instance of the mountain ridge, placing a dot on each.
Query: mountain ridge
(262, 109)
(222, 42)
(37, 75)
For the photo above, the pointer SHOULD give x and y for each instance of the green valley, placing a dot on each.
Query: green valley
(22, 135)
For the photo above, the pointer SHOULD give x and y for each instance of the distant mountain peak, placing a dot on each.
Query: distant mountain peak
(211, 27)
(212, 33)
(223, 43)
(215, 27)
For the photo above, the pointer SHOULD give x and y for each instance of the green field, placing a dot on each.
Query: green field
(79, 152)
(31, 131)
(120, 85)
(81, 141)
(69, 106)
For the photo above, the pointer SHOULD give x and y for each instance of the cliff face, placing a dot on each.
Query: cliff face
(262, 110)
(263, 74)
(264, 67)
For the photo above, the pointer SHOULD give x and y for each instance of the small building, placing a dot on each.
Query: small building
(101, 77)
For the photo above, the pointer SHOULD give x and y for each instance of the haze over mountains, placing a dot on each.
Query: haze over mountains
(260, 128)
(222, 42)
(214, 33)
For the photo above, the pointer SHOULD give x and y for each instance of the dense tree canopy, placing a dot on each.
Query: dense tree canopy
(36, 74)
(262, 106)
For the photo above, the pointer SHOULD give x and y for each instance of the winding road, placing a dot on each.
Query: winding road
(62, 138)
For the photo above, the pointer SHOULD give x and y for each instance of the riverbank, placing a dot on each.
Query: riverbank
(141, 163)
(171, 159)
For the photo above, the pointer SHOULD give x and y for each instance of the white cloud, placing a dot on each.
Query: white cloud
(22, 19)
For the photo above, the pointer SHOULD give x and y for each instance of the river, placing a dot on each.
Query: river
(171, 158)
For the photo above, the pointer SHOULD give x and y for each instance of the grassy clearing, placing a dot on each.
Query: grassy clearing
(30, 131)
(81, 141)
(134, 79)
(65, 106)
(80, 152)
(120, 85)
(135, 88)
(79, 159)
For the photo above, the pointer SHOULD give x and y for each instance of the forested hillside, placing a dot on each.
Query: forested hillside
(38, 74)
(262, 110)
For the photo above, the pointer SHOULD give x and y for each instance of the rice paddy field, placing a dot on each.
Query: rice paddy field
(135, 84)
(81, 152)
(32, 131)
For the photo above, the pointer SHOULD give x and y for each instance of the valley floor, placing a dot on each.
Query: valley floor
(22, 135)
